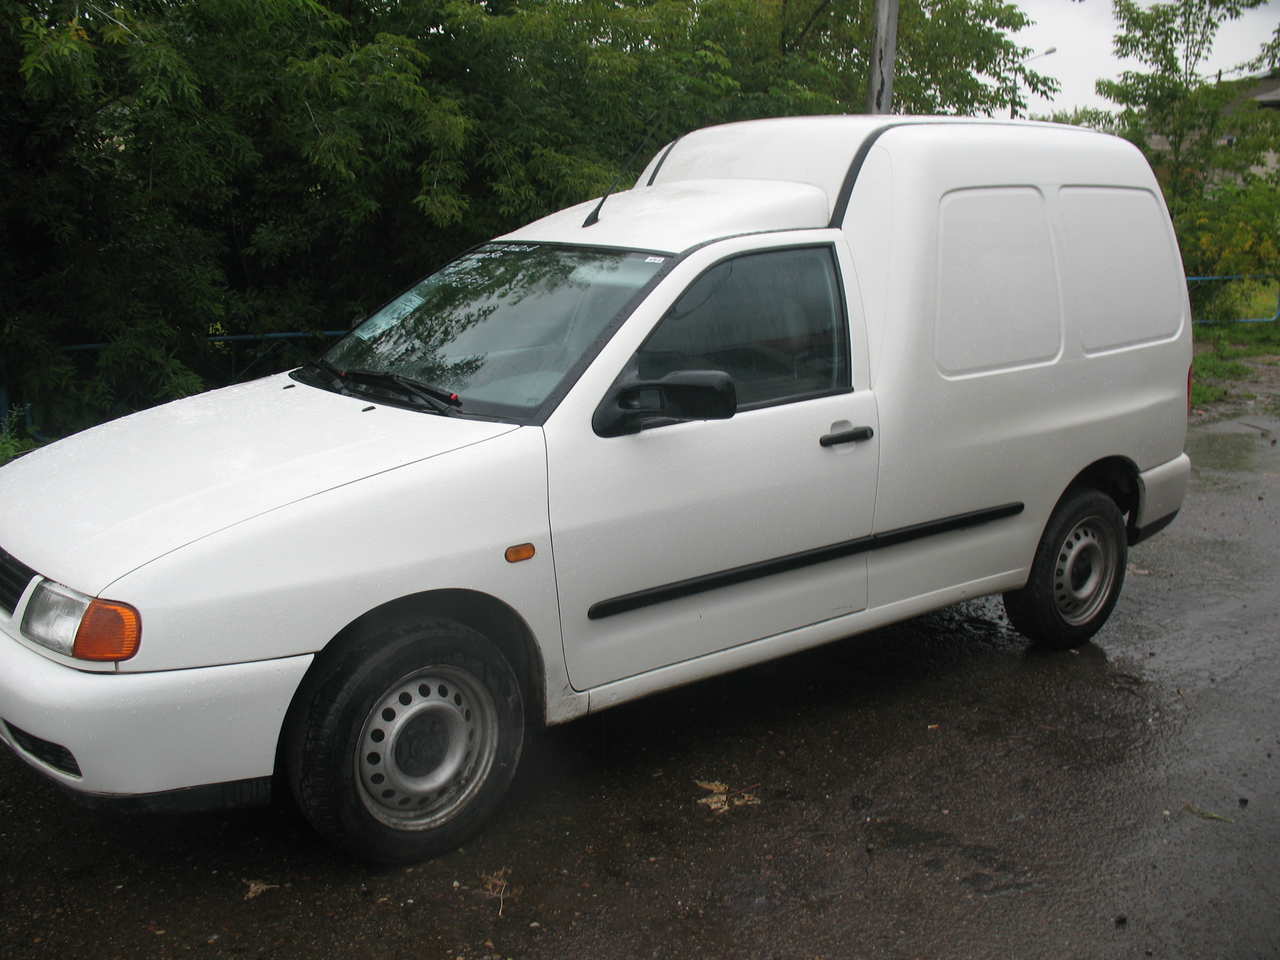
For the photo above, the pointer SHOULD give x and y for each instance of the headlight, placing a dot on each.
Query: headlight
(70, 623)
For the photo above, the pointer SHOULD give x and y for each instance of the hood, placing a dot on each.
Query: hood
(90, 508)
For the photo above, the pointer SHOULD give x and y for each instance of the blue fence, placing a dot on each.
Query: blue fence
(1196, 284)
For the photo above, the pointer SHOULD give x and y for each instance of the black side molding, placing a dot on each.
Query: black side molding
(794, 561)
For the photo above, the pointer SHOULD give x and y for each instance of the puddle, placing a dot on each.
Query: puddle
(1223, 451)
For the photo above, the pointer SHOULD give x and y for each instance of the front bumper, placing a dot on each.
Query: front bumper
(144, 733)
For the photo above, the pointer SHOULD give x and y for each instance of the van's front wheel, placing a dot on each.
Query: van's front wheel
(405, 742)
(1076, 575)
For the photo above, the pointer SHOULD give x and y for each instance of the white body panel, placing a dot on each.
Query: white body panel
(809, 152)
(681, 215)
(1014, 317)
(263, 589)
(170, 475)
(1018, 432)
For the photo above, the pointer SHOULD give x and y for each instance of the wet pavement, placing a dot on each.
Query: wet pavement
(932, 790)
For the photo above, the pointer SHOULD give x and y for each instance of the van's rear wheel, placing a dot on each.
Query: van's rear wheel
(1076, 575)
(405, 742)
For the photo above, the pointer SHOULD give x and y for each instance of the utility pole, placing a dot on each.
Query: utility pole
(883, 55)
(1013, 99)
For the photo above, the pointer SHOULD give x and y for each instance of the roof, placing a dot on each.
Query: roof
(673, 217)
(1266, 90)
(813, 150)
(758, 175)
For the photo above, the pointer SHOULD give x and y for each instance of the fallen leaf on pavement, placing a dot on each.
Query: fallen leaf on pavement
(257, 887)
(721, 801)
(1207, 814)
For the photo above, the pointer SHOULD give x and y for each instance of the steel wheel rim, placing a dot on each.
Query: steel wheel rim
(1085, 571)
(426, 748)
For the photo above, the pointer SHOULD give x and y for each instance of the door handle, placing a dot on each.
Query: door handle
(855, 435)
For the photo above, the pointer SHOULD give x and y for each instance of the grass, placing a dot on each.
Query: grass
(1203, 393)
(1258, 299)
(1214, 366)
(1233, 340)
(1220, 364)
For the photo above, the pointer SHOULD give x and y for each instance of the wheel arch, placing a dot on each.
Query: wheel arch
(1117, 477)
(482, 612)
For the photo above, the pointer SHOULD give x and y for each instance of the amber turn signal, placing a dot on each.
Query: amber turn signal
(521, 551)
(109, 631)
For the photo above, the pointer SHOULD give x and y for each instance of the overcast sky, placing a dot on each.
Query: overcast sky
(1082, 33)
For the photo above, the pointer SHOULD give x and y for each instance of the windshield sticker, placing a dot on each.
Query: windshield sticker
(655, 259)
(389, 315)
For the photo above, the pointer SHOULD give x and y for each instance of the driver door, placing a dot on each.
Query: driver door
(692, 537)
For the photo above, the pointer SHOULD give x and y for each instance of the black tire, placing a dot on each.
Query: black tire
(1076, 575)
(400, 745)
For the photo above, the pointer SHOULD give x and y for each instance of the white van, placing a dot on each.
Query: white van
(808, 377)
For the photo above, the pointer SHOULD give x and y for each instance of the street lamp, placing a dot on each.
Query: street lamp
(1013, 104)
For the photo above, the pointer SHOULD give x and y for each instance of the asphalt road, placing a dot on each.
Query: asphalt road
(933, 790)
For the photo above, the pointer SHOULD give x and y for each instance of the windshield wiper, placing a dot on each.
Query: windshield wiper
(320, 363)
(441, 401)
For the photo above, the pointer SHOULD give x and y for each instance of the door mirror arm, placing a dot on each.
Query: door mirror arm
(634, 405)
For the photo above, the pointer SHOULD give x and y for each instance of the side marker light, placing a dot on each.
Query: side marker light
(521, 551)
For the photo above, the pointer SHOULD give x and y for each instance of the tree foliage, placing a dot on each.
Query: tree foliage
(1212, 148)
(178, 169)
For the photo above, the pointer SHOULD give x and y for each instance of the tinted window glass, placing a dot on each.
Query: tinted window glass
(773, 321)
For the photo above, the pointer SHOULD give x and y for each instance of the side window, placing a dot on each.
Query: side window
(773, 321)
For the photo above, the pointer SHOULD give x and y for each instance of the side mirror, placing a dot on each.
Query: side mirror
(683, 395)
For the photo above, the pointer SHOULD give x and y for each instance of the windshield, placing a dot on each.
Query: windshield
(502, 326)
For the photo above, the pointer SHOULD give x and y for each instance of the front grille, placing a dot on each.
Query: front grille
(14, 577)
(54, 754)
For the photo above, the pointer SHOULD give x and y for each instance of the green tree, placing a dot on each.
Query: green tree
(178, 169)
(181, 169)
(1212, 148)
